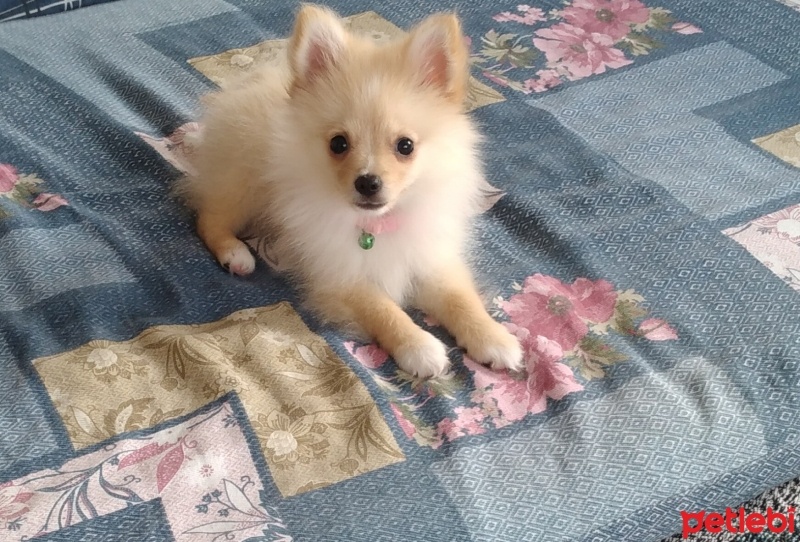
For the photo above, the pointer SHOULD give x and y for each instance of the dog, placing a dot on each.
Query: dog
(360, 162)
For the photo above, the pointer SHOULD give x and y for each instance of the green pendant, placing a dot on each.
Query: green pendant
(366, 240)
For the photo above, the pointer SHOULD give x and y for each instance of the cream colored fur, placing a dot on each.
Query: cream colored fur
(265, 160)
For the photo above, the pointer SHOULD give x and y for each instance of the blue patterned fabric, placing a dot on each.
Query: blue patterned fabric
(630, 188)
(145, 522)
(20, 9)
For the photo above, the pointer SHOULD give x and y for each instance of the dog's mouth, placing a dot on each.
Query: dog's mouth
(371, 205)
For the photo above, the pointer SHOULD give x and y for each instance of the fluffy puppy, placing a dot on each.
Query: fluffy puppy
(359, 162)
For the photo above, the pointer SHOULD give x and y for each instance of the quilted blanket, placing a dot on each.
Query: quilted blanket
(19, 9)
(642, 233)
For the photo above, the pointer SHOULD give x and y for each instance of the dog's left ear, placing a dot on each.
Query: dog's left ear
(439, 57)
(317, 43)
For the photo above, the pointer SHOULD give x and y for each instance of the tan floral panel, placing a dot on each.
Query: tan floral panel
(784, 144)
(315, 421)
(236, 62)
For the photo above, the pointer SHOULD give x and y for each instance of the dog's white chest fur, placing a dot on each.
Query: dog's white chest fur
(325, 245)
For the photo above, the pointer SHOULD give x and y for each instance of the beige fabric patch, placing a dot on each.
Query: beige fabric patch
(784, 144)
(315, 421)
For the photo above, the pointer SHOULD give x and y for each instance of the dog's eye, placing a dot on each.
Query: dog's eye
(405, 146)
(339, 144)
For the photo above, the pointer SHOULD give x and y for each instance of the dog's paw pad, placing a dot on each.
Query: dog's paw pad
(426, 357)
(238, 260)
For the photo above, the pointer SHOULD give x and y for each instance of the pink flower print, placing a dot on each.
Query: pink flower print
(545, 80)
(686, 29)
(530, 16)
(446, 428)
(558, 311)
(468, 421)
(594, 301)
(485, 401)
(547, 377)
(509, 394)
(501, 422)
(784, 223)
(482, 397)
(407, 427)
(206, 471)
(657, 330)
(48, 202)
(580, 52)
(612, 18)
(8, 178)
(12, 503)
(370, 356)
(495, 79)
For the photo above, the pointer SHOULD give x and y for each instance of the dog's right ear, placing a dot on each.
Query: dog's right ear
(317, 43)
(439, 57)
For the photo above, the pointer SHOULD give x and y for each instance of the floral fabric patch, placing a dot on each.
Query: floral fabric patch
(201, 469)
(25, 190)
(315, 421)
(536, 51)
(568, 335)
(774, 240)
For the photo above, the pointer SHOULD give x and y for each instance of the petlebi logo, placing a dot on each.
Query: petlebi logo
(739, 521)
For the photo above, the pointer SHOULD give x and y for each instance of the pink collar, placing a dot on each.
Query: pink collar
(387, 223)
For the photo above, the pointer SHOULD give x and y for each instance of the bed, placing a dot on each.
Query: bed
(642, 221)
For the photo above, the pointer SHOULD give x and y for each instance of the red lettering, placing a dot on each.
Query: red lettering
(755, 523)
(686, 517)
(713, 523)
(771, 517)
(730, 515)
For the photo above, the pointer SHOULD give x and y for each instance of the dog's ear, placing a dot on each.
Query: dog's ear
(439, 56)
(317, 43)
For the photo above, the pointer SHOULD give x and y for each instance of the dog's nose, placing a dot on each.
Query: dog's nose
(368, 185)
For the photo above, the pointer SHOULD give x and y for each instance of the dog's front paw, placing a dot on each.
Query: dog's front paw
(425, 357)
(496, 347)
(238, 259)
